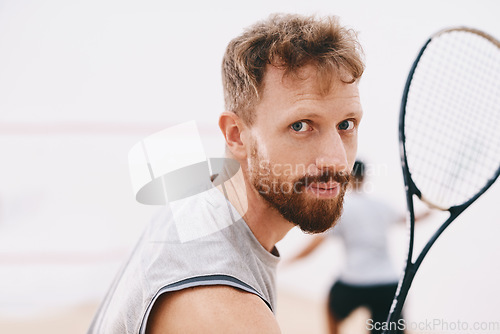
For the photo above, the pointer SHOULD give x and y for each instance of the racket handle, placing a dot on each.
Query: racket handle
(399, 300)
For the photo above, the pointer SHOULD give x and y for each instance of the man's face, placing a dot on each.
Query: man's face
(303, 146)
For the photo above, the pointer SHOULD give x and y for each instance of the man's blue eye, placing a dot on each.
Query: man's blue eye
(297, 126)
(346, 125)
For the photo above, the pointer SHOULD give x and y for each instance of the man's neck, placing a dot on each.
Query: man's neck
(266, 223)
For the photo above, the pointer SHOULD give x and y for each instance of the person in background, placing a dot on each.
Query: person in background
(368, 278)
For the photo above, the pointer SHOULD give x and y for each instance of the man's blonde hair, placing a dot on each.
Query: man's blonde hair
(288, 42)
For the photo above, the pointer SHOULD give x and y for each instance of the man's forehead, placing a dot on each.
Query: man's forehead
(304, 80)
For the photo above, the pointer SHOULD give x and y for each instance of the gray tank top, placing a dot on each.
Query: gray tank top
(197, 241)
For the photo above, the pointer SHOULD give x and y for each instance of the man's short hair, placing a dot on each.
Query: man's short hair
(289, 42)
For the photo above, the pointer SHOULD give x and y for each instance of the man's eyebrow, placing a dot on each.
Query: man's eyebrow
(306, 114)
(357, 113)
(312, 114)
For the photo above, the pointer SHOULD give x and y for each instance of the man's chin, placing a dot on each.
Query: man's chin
(316, 215)
(311, 215)
(316, 226)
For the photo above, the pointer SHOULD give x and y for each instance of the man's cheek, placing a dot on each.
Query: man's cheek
(351, 149)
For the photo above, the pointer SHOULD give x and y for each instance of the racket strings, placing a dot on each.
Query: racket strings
(452, 120)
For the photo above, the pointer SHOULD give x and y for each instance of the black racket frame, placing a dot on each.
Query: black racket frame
(412, 190)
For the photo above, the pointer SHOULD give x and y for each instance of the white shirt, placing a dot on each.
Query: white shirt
(364, 227)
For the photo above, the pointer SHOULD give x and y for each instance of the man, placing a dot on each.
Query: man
(293, 110)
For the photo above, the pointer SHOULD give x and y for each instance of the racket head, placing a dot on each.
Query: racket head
(450, 119)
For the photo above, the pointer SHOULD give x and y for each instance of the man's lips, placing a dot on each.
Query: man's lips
(324, 186)
(326, 190)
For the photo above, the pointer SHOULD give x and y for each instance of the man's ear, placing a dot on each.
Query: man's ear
(233, 129)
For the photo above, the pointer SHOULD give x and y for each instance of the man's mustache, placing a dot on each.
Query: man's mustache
(324, 177)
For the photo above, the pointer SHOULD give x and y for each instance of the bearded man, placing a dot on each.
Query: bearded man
(291, 123)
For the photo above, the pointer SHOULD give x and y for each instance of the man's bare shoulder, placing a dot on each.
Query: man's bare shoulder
(211, 309)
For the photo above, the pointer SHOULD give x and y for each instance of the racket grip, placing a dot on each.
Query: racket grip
(392, 325)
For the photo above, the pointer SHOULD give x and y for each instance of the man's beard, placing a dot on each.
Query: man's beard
(288, 196)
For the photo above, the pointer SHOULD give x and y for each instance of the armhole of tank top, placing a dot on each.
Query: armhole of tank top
(199, 281)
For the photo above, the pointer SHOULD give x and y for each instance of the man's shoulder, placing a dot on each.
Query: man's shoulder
(196, 216)
(211, 309)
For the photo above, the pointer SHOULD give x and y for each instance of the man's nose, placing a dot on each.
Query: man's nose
(332, 154)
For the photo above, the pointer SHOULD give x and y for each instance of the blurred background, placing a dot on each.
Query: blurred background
(82, 81)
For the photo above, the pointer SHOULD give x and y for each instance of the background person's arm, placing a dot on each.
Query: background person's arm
(419, 216)
(211, 309)
(313, 244)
